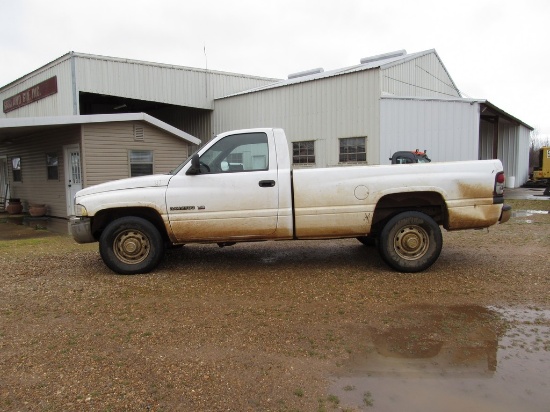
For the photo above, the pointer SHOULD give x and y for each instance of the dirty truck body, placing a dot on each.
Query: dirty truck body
(240, 187)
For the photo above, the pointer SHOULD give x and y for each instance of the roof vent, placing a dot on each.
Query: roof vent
(305, 73)
(139, 135)
(371, 59)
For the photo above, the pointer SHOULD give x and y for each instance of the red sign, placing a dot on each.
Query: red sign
(32, 94)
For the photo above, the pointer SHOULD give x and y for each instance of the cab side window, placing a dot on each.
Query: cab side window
(237, 153)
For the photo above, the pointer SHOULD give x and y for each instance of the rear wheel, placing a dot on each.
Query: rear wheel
(410, 242)
(131, 245)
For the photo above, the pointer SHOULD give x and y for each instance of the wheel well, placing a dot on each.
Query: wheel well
(104, 217)
(430, 203)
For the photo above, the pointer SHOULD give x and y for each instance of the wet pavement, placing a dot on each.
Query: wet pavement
(454, 359)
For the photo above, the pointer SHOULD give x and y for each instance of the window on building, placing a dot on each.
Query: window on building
(16, 168)
(141, 162)
(353, 150)
(52, 164)
(303, 153)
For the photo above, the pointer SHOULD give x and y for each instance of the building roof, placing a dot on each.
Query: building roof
(504, 114)
(488, 108)
(131, 61)
(12, 128)
(382, 61)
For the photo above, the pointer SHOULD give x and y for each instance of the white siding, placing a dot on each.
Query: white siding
(323, 110)
(448, 130)
(59, 104)
(424, 76)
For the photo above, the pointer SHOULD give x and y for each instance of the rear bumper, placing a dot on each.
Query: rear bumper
(505, 214)
(81, 229)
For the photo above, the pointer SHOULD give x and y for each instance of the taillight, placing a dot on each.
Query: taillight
(500, 179)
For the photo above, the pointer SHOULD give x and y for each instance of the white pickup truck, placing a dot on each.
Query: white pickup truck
(240, 187)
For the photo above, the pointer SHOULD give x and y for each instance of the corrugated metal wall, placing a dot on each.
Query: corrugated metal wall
(486, 132)
(522, 171)
(105, 149)
(35, 186)
(448, 130)
(126, 78)
(59, 104)
(160, 83)
(507, 147)
(322, 110)
(423, 76)
(196, 122)
(513, 148)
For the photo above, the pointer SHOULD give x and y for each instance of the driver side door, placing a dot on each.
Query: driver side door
(235, 195)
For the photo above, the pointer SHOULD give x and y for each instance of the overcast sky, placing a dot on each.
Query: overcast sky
(497, 50)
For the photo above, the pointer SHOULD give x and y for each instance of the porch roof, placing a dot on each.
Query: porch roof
(13, 128)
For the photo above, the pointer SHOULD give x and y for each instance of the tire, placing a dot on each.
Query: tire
(410, 242)
(367, 240)
(131, 245)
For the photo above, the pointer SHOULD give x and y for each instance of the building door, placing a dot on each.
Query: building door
(73, 175)
(4, 194)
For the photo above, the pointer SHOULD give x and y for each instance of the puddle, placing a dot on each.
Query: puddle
(456, 358)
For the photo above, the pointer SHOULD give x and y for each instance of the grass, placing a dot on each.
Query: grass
(367, 399)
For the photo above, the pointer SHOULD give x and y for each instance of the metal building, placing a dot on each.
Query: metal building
(83, 84)
(364, 113)
(82, 120)
(354, 115)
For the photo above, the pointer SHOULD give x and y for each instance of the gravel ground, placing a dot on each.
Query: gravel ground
(252, 327)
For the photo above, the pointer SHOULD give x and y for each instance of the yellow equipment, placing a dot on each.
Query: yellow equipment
(543, 172)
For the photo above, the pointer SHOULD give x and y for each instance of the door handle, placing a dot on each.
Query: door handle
(267, 183)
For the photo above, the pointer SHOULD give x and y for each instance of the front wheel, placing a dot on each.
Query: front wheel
(131, 245)
(410, 242)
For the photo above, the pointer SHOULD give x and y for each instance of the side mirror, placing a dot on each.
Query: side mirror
(195, 168)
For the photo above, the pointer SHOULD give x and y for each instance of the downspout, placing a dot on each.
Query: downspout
(495, 138)
(76, 108)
